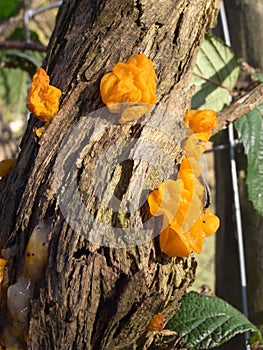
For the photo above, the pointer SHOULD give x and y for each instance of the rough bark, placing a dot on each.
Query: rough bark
(95, 296)
(248, 28)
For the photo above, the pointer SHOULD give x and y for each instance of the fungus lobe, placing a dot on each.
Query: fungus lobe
(130, 88)
(43, 99)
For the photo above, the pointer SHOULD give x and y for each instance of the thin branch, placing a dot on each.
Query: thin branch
(22, 45)
(240, 107)
(213, 81)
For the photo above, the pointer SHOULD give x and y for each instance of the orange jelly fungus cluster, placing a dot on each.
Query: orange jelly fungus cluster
(43, 99)
(201, 123)
(132, 82)
(156, 323)
(180, 201)
(6, 166)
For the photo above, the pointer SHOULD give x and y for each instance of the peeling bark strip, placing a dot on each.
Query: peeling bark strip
(98, 297)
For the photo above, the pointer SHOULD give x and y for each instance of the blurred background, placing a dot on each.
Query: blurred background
(25, 29)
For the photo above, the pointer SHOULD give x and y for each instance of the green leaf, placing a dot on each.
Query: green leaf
(206, 322)
(259, 76)
(13, 89)
(8, 8)
(250, 130)
(214, 76)
(25, 60)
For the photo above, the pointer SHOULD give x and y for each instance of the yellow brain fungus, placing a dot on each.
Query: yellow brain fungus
(43, 99)
(20, 293)
(36, 253)
(134, 83)
(40, 131)
(156, 323)
(18, 303)
(201, 123)
(6, 166)
(186, 223)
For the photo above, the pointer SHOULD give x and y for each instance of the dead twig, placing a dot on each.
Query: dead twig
(22, 45)
(240, 107)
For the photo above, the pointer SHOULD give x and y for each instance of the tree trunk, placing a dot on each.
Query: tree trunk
(105, 277)
(248, 28)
